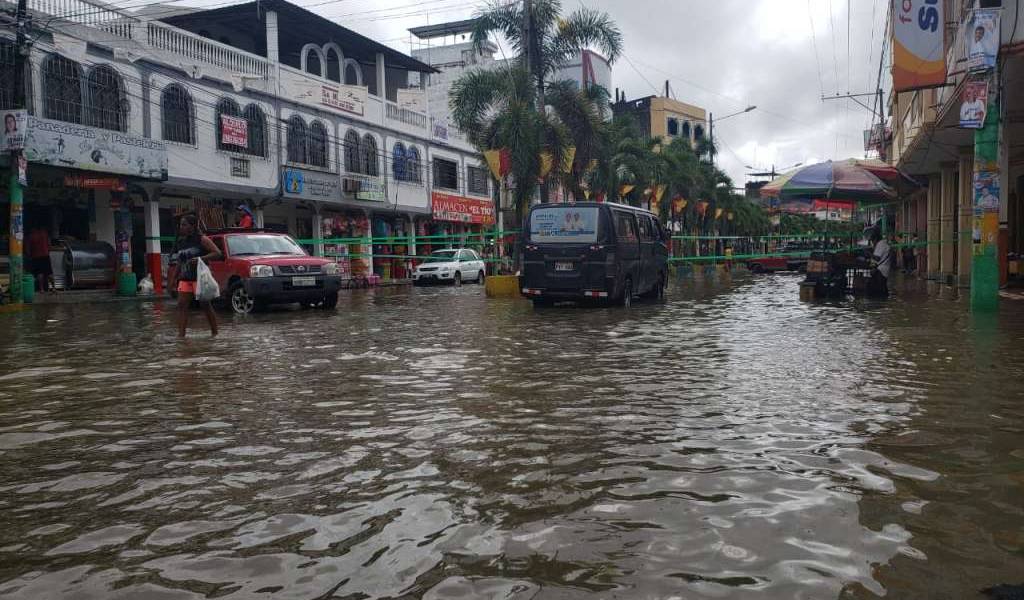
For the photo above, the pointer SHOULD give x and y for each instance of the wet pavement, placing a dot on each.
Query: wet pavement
(731, 442)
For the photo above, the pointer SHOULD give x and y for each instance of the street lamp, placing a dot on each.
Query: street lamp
(711, 126)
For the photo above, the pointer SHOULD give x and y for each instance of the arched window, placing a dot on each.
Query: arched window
(698, 132)
(352, 152)
(686, 129)
(371, 165)
(317, 144)
(7, 72)
(226, 107)
(257, 131)
(108, 108)
(673, 127)
(398, 162)
(311, 62)
(62, 89)
(353, 73)
(412, 164)
(332, 56)
(297, 149)
(176, 115)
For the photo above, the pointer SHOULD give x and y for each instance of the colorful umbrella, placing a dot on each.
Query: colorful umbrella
(840, 180)
(893, 177)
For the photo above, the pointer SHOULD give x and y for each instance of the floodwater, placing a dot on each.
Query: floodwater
(731, 442)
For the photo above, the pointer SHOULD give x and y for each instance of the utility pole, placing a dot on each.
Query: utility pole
(17, 232)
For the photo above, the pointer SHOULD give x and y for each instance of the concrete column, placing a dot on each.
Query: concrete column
(368, 247)
(151, 220)
(273, 54)
(412, 237)
(102, 228)
(947, 214)
(318, 232)
(934, 226)
(966, 218)
(382, 84)
(258, 218)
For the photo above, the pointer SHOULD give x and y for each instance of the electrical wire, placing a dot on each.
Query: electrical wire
(814, 44)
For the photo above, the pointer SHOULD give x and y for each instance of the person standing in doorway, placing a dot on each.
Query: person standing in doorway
(190, 247)
(39, 258)
(245, 220)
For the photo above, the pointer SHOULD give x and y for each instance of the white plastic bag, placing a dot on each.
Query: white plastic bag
(206, 286)
(146, 285)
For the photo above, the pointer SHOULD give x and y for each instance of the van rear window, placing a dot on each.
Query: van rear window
(564, 225)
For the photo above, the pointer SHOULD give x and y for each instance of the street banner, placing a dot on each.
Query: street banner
(459, 209)
(91, 149)
(234, 131)
(15, 127)
(919, 51)
(982, 39)
(412, 99)
(973, 105)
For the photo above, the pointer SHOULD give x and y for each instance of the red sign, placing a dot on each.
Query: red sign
(114, 184)
(234, 131)
(460, 209)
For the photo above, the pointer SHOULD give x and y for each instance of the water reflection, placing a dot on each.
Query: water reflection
(430, 443)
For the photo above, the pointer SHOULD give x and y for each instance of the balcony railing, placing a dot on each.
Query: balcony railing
(178, 41)
(90, 13)
(159, 36)
(404, 115)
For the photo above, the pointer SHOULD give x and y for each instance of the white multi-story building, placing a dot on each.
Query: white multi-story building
(446, 48)
(135, 117)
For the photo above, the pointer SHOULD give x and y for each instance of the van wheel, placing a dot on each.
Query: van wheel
(627, 294)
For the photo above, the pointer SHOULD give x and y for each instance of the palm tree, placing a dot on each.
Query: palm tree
(554, 39)
(582, 113)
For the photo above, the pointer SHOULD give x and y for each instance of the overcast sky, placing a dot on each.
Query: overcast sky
(722, 55)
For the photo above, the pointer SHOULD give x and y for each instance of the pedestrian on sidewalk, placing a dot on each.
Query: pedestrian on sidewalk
(190, 247)
(39, 258)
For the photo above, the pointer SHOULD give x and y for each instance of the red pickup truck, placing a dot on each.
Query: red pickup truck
(260, 268)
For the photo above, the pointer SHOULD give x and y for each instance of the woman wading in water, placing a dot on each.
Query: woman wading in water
(188, 249)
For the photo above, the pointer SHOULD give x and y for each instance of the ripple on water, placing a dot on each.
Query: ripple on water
(432, 443)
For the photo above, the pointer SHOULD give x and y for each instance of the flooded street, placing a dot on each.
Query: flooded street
(731, 442)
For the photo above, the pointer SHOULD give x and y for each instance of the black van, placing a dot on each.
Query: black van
(593, 250)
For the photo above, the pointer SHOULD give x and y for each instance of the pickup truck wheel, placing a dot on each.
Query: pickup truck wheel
(241, 302)
(330, 301)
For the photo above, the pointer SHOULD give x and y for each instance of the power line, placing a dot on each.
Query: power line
(814, 43)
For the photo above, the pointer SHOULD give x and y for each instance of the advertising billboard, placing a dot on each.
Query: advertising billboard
(919, 49)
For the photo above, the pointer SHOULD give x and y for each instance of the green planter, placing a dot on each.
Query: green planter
(28, 289)
(126, 284)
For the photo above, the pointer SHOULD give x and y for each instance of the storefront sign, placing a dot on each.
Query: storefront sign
(303, 184)
(90, 149)
(459, 209)
(114, 184)
(346, 98)
(981, 39)
(15, 126)
(234, 131)
(972, 107)
(919, 51)
(372, 190)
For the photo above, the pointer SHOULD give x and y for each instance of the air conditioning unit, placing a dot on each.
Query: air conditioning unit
(350, 186)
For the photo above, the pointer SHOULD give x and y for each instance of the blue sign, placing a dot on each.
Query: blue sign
(294, 181)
